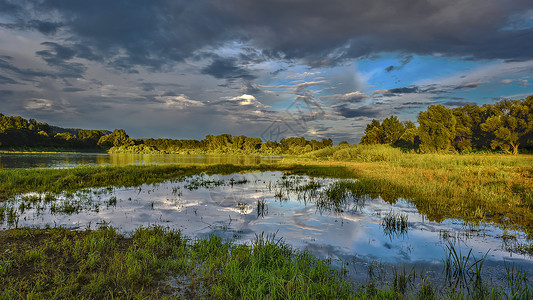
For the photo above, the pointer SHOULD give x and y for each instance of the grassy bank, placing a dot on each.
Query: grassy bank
(153, 263)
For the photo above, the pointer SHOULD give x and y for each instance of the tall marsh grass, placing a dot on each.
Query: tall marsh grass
(474, 187)
(361, 153)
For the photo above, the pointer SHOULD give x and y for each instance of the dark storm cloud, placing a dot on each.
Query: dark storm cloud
(330, 31)
(6, 93)
(363, 111)
(56, 53)
(468, 85)
(403, 62)
(7, 80)
(433, 89)
(447, 98)
(405, 90)
(148, 87)
(158, 33)
(250, 88)
(415, 103)
(43, 27)
(73, 90)
(140, 33)
(23, 74)
(227, 68)
(58, 56)
(278, 71)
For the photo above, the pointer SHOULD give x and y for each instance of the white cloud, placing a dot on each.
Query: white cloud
(246, 100)
(178, 102)
(38, 104)
(304, 85)
(301, 75)
(353, 96)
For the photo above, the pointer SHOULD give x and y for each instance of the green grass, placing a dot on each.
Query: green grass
(155, 262)
(463, 270)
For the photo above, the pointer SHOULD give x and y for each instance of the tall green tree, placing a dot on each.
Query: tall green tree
(512, 120)
(116, 139)
(391, 130)
(373, 133)
(436, 129)
(468, 118)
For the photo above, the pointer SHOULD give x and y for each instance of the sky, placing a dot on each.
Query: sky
(270, 69)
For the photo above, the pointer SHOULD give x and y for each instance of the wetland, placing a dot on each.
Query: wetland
(370, 242)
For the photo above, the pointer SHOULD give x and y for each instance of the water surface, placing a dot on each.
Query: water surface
(240, 206)
(69, 160)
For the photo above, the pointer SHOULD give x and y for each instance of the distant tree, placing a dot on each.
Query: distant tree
(116, 139)
(271, 147)
(315, 145)
(372, 134)
(89, 138)
(436, 129)
(512, 120)
(251, 144)
(526, 140)
(65, 136)
(237, 143)
(65, 139)
(463, 127)
(391, 130)
(409, 139)
(408, 125)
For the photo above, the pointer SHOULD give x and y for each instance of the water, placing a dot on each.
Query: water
(69, 160)
(239, 206)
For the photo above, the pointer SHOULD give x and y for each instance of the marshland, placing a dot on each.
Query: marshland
(288, 149)
(303, 226)
(401, 215)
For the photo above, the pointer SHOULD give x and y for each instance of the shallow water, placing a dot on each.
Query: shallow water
(351, 234)
(69, 160)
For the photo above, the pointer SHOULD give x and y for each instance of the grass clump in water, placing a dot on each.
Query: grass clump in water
(338, 196)
(463, 270)
(394, 224)
(262, 208)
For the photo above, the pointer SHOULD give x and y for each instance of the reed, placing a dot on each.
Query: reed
(395, 224)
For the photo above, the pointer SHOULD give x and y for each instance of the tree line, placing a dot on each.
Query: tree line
(506, 125)
(226, 143)
(17, 132)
